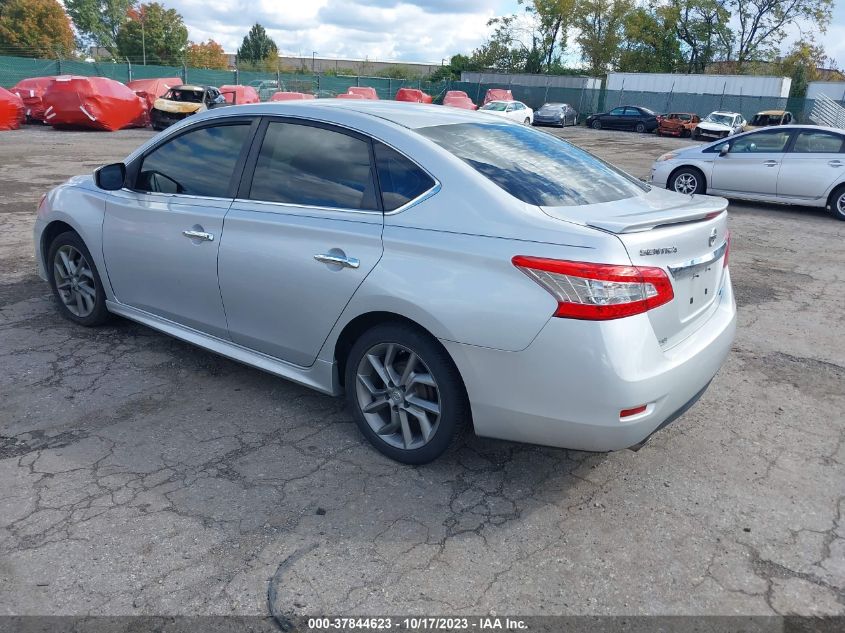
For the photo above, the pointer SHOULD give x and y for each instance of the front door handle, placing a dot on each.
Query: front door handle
(771, 163)
(341, 260)
(199, 235)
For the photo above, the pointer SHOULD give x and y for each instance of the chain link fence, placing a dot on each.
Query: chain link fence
(585, 100)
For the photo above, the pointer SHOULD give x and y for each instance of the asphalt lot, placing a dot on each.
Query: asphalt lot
(140, 475)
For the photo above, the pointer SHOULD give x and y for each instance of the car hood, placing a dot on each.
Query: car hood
(714, 127)
(182, 107)
(657, 207)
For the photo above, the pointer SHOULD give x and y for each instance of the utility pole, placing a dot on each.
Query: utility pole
(313, 59)
(143, 37)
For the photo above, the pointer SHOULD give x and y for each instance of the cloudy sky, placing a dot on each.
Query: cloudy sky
(392, 30)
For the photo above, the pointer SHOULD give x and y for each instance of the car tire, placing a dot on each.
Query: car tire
(695, 134)
(596, 125)
(75, 281)
(527, 121)
(640, 128)
(687, 180)
(836, 203)
(409, 415)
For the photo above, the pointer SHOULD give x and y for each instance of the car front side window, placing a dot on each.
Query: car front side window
(314, 166)
(761, 142)
(200, 162)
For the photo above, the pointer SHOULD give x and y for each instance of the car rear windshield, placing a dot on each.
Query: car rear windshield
(533, 166)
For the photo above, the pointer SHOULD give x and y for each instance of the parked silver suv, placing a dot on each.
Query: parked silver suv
(444, 269)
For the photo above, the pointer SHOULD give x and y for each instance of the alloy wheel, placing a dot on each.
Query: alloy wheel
(686, 183)
(74, 281)
(398, 396)
(840, 203)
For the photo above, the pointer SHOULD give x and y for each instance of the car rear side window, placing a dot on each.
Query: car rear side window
(313, 166)
(401, 180)
(817, 142)
(197, 163)
(533, 166)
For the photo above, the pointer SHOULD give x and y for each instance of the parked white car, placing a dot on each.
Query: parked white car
(513, 110)
(719, 125)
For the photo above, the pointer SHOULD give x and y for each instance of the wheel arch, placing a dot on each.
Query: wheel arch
(690, 167)
(50, 233)
(365, 321)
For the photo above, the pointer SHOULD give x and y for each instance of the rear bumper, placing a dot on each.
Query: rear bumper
(567, 388)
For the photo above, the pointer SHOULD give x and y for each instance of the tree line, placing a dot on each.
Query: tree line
(543, 36)
(688, 36)
(142, 32)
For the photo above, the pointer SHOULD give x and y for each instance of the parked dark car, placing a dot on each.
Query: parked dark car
(634, 118)
(561, 114)
(183, 101)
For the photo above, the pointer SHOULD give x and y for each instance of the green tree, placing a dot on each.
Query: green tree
(763, 24)
(98, 21)
(206, 55)
(703, 29)
(38, 28)
(257, 47)
(650, 42)
(802, 64)
(601, 26)
(457, 64)
(153, 35)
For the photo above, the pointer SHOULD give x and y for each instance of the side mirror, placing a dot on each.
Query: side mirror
(111, 177)
(724, 149)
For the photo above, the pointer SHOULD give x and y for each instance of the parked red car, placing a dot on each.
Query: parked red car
(31, 91)
(240, 94)
(497, 94)
(413, 95)
(459, 99)
(677, 124)
(290, 96)
(368, 92)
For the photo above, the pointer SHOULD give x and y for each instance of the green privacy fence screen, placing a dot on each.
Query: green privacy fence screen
(586, 101)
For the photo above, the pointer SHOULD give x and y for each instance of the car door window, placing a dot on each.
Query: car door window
(400, 179)
(762, 142)
(200, 162)
(632, 112)
(817, 142)
(617, 112)
(313, 166)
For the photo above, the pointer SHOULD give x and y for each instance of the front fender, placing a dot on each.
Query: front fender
(82, 208)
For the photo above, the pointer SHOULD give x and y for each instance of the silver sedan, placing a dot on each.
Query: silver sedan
(789, 164)
(444, 270)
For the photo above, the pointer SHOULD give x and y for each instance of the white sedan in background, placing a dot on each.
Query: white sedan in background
(789, 164)
(513, 110)
(719, 125)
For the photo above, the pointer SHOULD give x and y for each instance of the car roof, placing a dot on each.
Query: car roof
(405, 114)
(724, 112)
(772, 112)
(189, 87)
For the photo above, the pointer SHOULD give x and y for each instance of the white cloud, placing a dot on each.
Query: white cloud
(401, 30)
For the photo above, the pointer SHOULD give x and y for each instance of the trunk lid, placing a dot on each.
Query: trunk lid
(683, 235)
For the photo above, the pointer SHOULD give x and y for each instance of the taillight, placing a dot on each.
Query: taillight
(727, 248)
(598, 292)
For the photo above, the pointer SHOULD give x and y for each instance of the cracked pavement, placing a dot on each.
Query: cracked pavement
(141, 475)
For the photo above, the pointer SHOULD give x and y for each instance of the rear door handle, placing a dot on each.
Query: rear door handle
(199, 235)
(835, 163)
(771, 163)
(342, 260)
